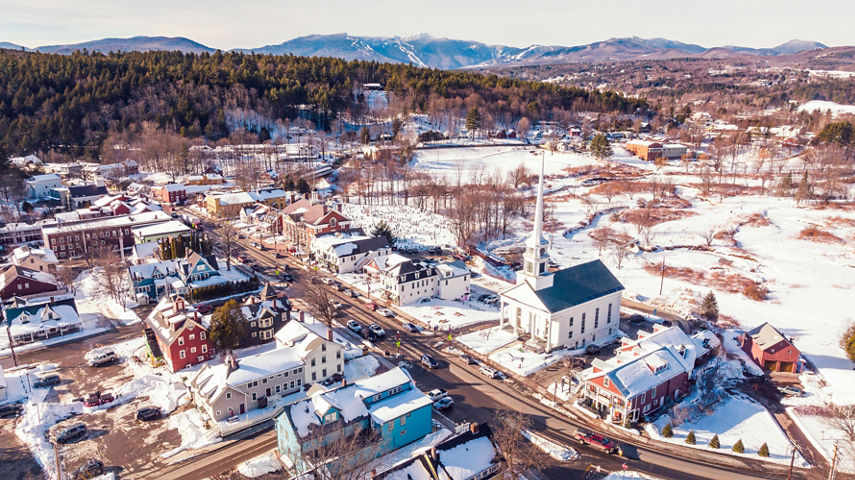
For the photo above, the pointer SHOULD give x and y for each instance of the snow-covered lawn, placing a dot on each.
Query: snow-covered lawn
(487, 340)
(260, 465)
(823, 436)
(92, 303)
(735, 418)
(447, 315)
(412, 227)
(194, 434)
(525, 362)
(557, 451)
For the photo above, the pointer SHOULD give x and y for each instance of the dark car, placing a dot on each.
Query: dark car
(147, 414)
(595, 440)
(46, 381)
(10, 410)
(468, 359)
(106, 398)
(429, 361)
(258, 268)
(411, 327)
(593, 349)
(72, 433)
(92, 468)
(287, 277)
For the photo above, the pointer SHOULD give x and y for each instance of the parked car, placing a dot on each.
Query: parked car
(593, 349)
(491, 299)
(429, 361)
(353, 293)
(386, 312)
(468, 359)
(258, 268)
(46, 381)
(107, 358)
(71, 434)
(791, 391)
(92, 400)
(205, 309)
(437, 393)
(336, 304)
(338, 286)
(443, 403)
(424, 300)
(377, 330)
(107, 398)
(288, 277)
(635, 319)
(10, 410)
(243, 257)
(411, 327)
(354, 326)
(92, 468)
(371, 305)
(147, 414)
(595, 440)
(326, 281)
(490, 372)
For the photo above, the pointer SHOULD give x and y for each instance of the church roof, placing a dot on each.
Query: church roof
(573, 286)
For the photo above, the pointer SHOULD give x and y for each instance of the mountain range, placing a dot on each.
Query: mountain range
(445, 53)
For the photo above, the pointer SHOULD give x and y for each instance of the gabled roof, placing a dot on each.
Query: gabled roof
(576, 285)
(645, 372)
(86, 190)
(766, 336)
(15, 271)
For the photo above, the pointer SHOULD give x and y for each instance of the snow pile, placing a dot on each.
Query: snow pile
(361, 367)
(628, 475)
(525, 362)
(194, 434)
(487, 340)
(260, 466)
(554, 450)
(36, 421)
(735, 418)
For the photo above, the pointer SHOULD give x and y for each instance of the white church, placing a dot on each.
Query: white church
(570, 308)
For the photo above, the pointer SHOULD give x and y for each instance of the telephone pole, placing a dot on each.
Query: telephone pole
(832, 473)
(792, 461)
(662, 275)
(58, 464)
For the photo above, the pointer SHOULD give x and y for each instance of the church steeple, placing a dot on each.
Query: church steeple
(535, 258)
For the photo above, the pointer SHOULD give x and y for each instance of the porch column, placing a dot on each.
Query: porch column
(501, 313)
(548, 333)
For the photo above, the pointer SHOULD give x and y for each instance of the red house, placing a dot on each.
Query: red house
(181, 333)
(303, 220)
(771, 350)
(18, 281)
(171, 193)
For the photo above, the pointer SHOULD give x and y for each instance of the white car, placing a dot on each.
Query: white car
(386, 312)
(436, 394)
(377, 330)
(490, 372)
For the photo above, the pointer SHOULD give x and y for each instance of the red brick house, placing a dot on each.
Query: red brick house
(170, 194)
(181, 333)
(771, 350)
(17, 281)
(304, 220)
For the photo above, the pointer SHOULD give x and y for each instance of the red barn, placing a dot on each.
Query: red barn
(771, 350)
(181, 332)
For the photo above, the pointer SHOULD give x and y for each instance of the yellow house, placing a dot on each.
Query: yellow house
(228, 205)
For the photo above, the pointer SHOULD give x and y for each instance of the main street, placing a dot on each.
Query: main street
(477, 398)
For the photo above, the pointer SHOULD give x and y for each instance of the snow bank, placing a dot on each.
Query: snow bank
(260, 465)
(554, 450)
(194, 435)
(361, 367)
(36, 421)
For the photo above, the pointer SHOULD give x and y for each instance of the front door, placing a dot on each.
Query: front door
(242, 409)
(268, 392)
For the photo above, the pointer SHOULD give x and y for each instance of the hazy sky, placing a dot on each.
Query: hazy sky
(229, 24)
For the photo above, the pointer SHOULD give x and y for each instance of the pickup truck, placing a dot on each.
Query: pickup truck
(595, 440)
(436, 394)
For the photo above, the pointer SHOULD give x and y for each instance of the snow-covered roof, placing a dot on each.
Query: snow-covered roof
(456, 269)
(397, 405)
(142, 251)
(239, 198)
(164, 228)
(116, 221)
(467, 459)
(47, 177)
(212, 380)
(645, 372)
(173, 187)
(661, 337)
(23, 252)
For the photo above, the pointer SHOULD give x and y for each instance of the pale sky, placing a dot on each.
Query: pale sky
(227, 24)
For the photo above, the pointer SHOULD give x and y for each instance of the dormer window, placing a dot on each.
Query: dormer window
(606, 381)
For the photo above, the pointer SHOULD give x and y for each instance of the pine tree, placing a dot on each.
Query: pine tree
(397, 123)
(303, 186)
(786, 185)
(384, 230)
(690, 438)
(709, 308)
(166, 251)
(668, 430)
(738, 447)
(180, 250)
(847, 341)
(289, 184)
(803, 193)
(228, 327)
(714, 443)
(764, 450)
(600, 147)
(473, 121)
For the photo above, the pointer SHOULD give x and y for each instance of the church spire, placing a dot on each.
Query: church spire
(535, 256)
(537, 234)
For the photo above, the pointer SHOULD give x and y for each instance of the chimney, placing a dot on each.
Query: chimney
(329, 334)
(302, 319)
(196, 315)
(338, 207)
(51, 299)
(473, 427)
(373, 473)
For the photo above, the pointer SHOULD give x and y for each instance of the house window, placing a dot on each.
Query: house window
(324, 359)
(338, 368)
(228, 395)
(571, 322)
(278, 388)
(249, 385)
(390, 426)
(403, 421)
(643, 397)
(313, 362)
(254, 396)
(596, 318)
(180, 341)
(201, 335)
(314, 376)
(200, 358)
(204, 349)
(609, 319)
(292, 383)
(192, 336)
(653, 393)
(324, 373)
(181, 354)
(338, 354)
(324, 347)
(218, 413)
(192, 349)
(570, 335)
(605, 381)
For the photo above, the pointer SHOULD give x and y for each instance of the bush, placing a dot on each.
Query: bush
(764, 450)
(714, 443)
(690, 438)
(668, 430)
(847, 341)
(738, 447)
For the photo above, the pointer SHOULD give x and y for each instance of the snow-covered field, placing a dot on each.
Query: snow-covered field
(487, 340)
(735, 418)
(412, 227)
(447, 315)
(825, 106)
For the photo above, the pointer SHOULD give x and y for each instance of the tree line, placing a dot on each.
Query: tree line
(72, 102)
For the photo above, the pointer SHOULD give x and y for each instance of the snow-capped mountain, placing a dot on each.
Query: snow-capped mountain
(428, 51)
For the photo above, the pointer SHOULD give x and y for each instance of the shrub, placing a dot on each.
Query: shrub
(764, 450)
(690, 438)
(668, 430)
(714, 443)
(738, 447)
(847, 341)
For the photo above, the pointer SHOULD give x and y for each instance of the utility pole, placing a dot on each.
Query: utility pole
(832, 473)
(792, 461)
(662, 276)
(58, 464)
(11, 343)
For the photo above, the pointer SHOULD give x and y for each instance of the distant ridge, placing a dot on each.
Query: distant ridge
(428, 51)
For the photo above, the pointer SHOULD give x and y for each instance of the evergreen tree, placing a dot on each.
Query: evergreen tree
(600, 147)
(397, 123)
(709, 308)
(714, 443)
(847, 342)
(473, 121)
(289, 184)
(26, 207)
(841, 133)
(668, 430)
(303, 186)
(690, 438)
(384, 230)
(364, 136)
(166, 251)
(786, 185)
(764, 450)
(228, 327)
(180, 250)
(738, 447)
(803, 193)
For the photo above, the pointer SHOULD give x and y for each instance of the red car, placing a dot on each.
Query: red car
(371, 305)
(106, 398)
(596, 440)
(92, 400)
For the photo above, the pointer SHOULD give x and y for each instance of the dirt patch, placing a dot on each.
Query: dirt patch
(814, 234)
(840, 222)
(654, 216)
(756, 220)
(731, 283)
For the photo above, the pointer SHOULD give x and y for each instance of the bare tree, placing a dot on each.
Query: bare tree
(336, 451)
(228, 236)
(843, 418)
(320, 302)
(602, 238)
(510, 437)
(620, 248)
(66, 275)
(519, 175)
(111, 276)
(708, 234)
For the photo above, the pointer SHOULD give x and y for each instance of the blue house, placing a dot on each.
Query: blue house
(175, 276)
(388, 406)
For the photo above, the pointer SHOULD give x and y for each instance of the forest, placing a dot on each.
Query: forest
(72, 102)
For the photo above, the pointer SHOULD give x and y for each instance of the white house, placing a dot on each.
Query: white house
(315, 346)
(345, 253)
(407, 281)
(38, 259)
(38, 186)
(453, 281)
(571, 308)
